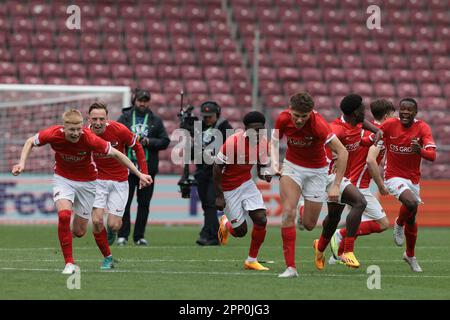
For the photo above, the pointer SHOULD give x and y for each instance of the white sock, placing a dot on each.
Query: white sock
(250, 259)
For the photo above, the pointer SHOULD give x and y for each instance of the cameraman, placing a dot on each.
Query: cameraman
(210, 111)
(153, 138)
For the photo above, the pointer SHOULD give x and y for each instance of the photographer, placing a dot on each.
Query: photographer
(210, 112)
(153, 138)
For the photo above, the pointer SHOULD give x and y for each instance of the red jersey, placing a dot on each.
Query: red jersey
(239, 158)
(359, 174)
(305, 146)
(401, 161)
(351, 137)
(73, 161)
(119, 136)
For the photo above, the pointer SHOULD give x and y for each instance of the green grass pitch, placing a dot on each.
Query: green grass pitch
(174, 267)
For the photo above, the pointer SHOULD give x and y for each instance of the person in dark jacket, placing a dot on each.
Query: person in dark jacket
(153, 137)
(210, 111)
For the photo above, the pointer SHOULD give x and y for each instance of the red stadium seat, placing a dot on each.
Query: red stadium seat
(237, 73)
(99, 70)
(384, 90)
(168, 72)
(92, 56)
(192, 72)
(152, 85)
(351, 61)
(138, 57)
(145, 71)
(52, 70)
(27, 69)
(379, 75)
(270, 87)
(218, 86)
(288, 73)
(214, 72)
(185, 58)
(275, 101)
(407, 90)
(7, 69)
(316, 88)
(363, 89)
(122, 71)
(23, 55)
(75, 70)
(333, 74)
(339, 88)
(357, 75)
(69, 56)
(241, 87)
(196, 86)
(430, 90)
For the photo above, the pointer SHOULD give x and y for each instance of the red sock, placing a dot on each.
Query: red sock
(365, 228)
(64, 235)
(349, 244)
(288, 234)
(411, 237)
(403, 215)
(230, 228)
(323, 243)
(258, 236)
(101, 239)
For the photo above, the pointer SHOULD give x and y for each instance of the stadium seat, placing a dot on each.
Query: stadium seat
(407, 90)
(191, 72)
(431, 90)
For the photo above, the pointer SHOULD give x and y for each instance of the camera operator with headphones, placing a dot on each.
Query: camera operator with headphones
(153, 137)
(210, 112)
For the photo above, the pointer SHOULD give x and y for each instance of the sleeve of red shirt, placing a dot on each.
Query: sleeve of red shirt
(367, 140)
(131, 141)
(427, 137)
(43, 137)
(429, 146)
(97, 144)
(140, 156)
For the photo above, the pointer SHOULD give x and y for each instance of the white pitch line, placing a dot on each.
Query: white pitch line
(205, 248)
(119, 260)
(250, 273)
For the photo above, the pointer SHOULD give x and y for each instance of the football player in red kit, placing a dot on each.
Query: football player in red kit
(349, 130)
(305, 169)
(236, 192)
(112, 182)
(74, 181)
(407, 141)
(364, 167)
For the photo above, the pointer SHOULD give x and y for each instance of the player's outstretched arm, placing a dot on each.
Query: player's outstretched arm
(145, 180)
(374, 169)
(217, 178)
(18, 168)
(367, 125)
(341, 164)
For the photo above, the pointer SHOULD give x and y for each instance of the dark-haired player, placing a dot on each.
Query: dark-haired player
(305, 169)
(349, 130)
(364, 167)
(236, 193)
(112, 182)
(407, 141)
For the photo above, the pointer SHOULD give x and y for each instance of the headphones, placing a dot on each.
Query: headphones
(204, 104)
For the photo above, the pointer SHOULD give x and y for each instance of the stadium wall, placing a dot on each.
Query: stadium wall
(27, 199)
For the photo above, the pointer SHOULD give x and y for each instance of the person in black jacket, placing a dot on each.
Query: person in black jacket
(153, 138)
(210, 111)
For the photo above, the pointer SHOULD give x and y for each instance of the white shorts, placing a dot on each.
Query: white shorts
(240, 201)
(80, 193)
(344, 183)
(312, 181)
(112, 196)
(374, 210)
(396, 186)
